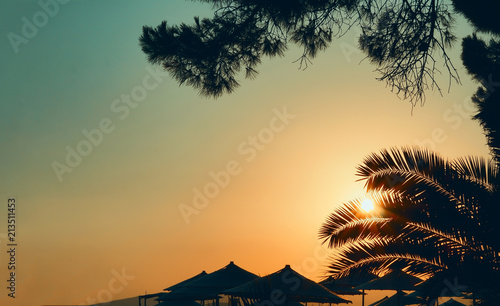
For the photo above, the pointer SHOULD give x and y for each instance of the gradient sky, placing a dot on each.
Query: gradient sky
(118, 211)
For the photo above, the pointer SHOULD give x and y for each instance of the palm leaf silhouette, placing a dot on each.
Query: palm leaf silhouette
(432, 216)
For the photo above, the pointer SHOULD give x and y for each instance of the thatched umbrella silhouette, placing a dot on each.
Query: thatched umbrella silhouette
(440, 285)
(284, 287)
(444, 293)
(228, 277)
(176, 286)
(341, 290)
(185, 282)
(396, 280)
(400, 298)
(345, 285)
(209, 286)
(354, 279)
(331, 285)
(350, 281)
(452, 302)
(188, 294)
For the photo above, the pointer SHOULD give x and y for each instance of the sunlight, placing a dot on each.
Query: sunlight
(367, 205)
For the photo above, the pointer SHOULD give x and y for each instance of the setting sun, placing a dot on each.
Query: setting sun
(367, 205)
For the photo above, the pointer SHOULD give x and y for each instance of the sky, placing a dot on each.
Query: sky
(126, 182)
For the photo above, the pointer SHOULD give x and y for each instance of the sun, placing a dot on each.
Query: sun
(367, 205)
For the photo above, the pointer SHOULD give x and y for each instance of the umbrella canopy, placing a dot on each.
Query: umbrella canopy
(228, 277)
(343, 290)
(188, 294)
(344, 285)
(423, 296)
(338, 289)
(287, 286)
(398, 299)
(174, 287)
(184, 282)
(440, 285)
(452, 302)
(353, 279)
(395, 280)
(206, 287)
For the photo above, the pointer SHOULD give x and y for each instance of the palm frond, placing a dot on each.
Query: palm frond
(349, 222)
(447, 201)
(477, 170)
(406, 159)
(380, 256)
(429, 232)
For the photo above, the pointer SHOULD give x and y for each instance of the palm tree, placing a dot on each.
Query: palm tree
(433, 217)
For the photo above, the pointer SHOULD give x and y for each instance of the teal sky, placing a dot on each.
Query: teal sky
(119, 207)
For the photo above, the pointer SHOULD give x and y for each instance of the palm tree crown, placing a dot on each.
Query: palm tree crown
(432, 216)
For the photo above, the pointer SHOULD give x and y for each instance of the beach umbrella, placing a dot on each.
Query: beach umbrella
(338, 289)
(354, 279)
(395, 280)
(400, 298)
(344, 286)
(350, 281)
(441, 285)
(228, 277)
(342, 290)
(452, 302)
(285, 286)
(423, 297)
(174, 287)
(209, 286)
(184, 282)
